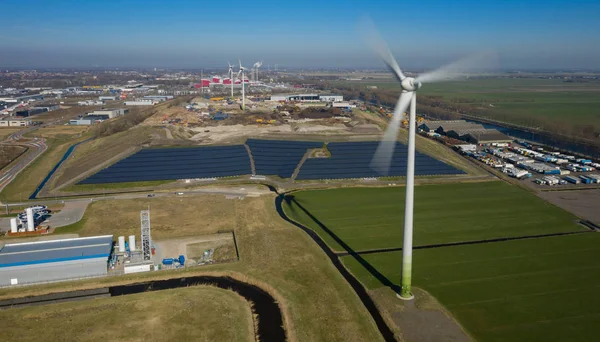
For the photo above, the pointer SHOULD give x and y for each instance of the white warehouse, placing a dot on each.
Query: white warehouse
(54, 260)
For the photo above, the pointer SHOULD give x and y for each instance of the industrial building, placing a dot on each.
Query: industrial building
(112, 113)
(140, 103)
(331, 98)
(14, 122)
(307, 97)
(470, 132)
(88, 120)
(54, 260)
(480, 136)
(443, 127)
(24, 98)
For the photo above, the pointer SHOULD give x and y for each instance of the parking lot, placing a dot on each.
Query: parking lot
(538, 166)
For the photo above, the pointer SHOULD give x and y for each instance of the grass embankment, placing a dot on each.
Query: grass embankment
(4, 132)
(27, 180)
(522, 290)
(58, 131)
(197, 313)
(317, 302)
(372, 218)
(83, 188)
(9, 153)
(99, 153)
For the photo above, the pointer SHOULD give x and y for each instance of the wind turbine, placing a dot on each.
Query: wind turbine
(242, 74)
(230, 74)
(383, 155)
(256, 66)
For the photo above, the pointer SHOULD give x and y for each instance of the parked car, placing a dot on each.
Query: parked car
(151, 195)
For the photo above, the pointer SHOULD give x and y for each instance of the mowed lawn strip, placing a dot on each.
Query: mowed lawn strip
(198, 313)
(523, 290)
(372, 218)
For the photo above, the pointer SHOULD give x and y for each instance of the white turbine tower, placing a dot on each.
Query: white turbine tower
(230, 74)
(243, 95)
(383, 155)
(256, 66)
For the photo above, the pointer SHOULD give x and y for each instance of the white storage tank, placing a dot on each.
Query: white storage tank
(122, 244)
(132, 243)
(30, 221)
(13, 225)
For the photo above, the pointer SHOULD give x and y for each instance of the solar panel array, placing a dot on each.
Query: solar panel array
(278, 157)
(353, 159)
(176, 163)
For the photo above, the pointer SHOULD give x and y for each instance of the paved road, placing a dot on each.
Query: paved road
(35, 149)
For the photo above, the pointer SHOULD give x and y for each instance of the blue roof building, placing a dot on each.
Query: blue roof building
(54, 260)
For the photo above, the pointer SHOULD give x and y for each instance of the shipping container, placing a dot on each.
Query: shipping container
(572, 179)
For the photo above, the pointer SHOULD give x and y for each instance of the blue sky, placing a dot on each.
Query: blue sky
(525, 34)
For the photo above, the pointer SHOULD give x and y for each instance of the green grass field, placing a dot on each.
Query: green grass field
(518, 100)
(372, 218)
(525, 290)
(536, 289)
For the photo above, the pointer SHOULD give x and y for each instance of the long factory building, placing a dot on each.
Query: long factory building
(54, 260)
(467, 131)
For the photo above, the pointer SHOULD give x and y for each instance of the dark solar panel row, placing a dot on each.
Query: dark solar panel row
(176, 163)
(353, 160)
(278, 157)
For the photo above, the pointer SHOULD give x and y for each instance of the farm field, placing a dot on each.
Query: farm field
(534, 289)
(372, 218)
(198, 313)
(518, 100)
(523, 290)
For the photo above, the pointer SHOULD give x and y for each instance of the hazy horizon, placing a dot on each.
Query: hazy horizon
(186, 34)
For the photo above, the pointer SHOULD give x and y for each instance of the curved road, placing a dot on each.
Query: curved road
(35, 149)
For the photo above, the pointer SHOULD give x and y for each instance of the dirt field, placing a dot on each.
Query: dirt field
(171, 217)
(423, 319)
(53, 131)
(198, 313)
(583, 203)
(6, 131)
(192, 247)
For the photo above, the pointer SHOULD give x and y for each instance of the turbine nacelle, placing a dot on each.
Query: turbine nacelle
(410, 84)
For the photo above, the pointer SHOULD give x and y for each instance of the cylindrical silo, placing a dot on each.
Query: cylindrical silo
(30, 221)
(132, 243)
(121, 244)
(13, 225)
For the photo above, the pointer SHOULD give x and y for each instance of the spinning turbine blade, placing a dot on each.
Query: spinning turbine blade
(383, 155)
(372, 37)
(460, 69)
